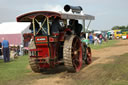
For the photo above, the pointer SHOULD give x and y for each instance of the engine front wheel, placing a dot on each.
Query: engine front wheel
(88, 60)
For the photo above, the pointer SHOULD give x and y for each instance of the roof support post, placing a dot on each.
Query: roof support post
(48, 26)
(88, 25)
(83, 25)
(33, 26)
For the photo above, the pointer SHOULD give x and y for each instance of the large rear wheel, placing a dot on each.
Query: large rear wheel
(72, 53)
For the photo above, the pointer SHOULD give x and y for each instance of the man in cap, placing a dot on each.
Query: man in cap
(5, 47)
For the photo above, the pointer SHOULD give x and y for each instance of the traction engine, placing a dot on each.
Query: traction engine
(48, 49)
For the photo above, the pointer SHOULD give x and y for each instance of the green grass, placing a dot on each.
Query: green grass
(109, 43)
(14, 72)
(114, 72)
(14, 69)
(17, 72)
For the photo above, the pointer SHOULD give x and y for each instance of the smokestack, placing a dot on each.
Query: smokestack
(76, 9)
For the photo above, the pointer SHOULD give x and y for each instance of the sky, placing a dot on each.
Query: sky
(108, 13)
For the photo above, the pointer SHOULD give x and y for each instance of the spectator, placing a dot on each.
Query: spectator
(90, 38)
(100, 38)
(5, 47)
(18, 50)
(95, 39)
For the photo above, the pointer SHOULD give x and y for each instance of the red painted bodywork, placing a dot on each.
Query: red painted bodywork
(47, 47)
(42, 44)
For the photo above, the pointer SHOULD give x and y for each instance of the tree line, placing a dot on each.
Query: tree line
(120, 27)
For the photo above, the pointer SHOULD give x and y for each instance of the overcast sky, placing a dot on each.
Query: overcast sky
(108, 13)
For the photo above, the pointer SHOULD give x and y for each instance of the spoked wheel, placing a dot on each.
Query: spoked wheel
(89, 56)
(72, 53)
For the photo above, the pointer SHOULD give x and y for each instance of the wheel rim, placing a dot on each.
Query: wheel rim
(89, 60)
(76, 54)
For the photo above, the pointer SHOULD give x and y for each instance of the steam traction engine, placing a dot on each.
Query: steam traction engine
(47, 49)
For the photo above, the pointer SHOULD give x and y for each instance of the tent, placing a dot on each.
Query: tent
(13, 32)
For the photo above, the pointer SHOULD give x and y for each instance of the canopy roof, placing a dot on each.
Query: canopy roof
(29, 16)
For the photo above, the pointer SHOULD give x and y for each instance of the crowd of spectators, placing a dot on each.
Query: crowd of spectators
(96, 39)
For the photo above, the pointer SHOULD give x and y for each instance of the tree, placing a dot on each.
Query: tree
(115, 28)
(127, 27)
(120, 27)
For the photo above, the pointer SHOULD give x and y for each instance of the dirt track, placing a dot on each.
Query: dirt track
(99, 56)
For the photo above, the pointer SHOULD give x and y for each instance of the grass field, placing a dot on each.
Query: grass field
(113, 72)
(18, 72)
(109, 43)
(14, 70)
